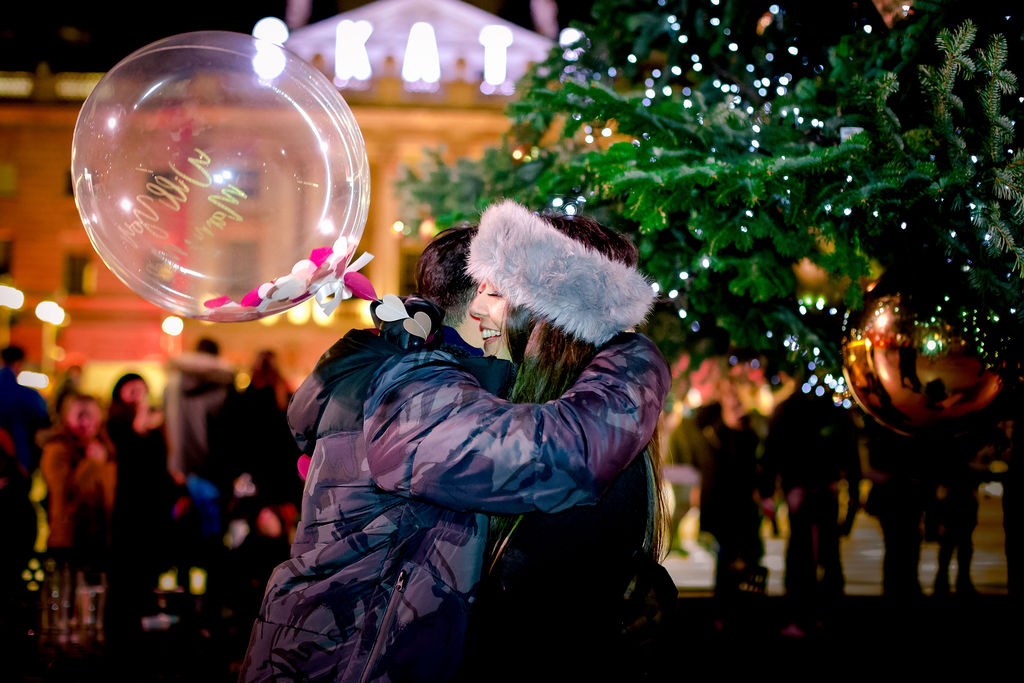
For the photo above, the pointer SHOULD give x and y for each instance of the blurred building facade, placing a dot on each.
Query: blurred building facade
(402, 107)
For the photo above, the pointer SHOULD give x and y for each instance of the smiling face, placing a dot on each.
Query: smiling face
(469, 330)
(489, 307)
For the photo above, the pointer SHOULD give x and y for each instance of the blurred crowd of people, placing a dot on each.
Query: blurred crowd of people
(122, 497)
(800, 460)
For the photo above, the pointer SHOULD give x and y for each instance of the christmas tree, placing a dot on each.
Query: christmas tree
(772, 160)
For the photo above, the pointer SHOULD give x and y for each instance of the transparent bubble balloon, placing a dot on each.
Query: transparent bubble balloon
(221, 177)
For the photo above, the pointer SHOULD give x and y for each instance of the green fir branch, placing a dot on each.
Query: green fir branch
(700, 176)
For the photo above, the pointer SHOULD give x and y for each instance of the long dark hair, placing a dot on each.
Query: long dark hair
(266, 374)
(550, 359)
(118, 410)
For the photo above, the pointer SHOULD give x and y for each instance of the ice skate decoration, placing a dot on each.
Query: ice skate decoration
(392, 309)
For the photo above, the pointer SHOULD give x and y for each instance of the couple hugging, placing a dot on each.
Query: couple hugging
(467, 517)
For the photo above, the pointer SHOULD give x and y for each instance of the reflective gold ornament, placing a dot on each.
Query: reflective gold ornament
(911, 365)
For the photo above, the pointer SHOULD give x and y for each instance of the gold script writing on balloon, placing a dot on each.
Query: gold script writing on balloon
(227, 198)
(172, 191)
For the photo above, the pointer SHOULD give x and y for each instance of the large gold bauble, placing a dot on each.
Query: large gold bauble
(910, 365)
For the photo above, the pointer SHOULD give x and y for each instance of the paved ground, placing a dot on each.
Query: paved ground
(861, 634)
(862, 554)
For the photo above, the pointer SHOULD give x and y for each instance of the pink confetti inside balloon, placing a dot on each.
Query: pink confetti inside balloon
(220, 176)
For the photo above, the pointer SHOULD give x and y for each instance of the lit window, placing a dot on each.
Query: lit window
(79, 276)
(8, 180)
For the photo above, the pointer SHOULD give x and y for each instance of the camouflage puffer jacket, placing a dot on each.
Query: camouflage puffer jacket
(389, 550)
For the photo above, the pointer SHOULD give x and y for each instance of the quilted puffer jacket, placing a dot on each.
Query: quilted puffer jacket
(389, 549)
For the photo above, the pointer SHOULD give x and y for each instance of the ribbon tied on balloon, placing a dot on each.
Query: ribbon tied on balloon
(326, 275)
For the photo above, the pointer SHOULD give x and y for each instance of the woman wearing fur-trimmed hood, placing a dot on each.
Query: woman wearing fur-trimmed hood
(553, 290)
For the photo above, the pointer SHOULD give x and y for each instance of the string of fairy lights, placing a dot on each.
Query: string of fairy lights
(655, 85)
(676, 81)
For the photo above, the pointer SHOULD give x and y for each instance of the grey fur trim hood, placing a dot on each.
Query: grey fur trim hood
(537, 267)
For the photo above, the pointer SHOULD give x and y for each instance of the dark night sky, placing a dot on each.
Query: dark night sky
(94, 36)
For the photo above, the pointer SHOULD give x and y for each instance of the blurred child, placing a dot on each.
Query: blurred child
(78, 467)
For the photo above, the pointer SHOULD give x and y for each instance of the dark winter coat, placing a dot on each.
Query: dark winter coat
(389, 551)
